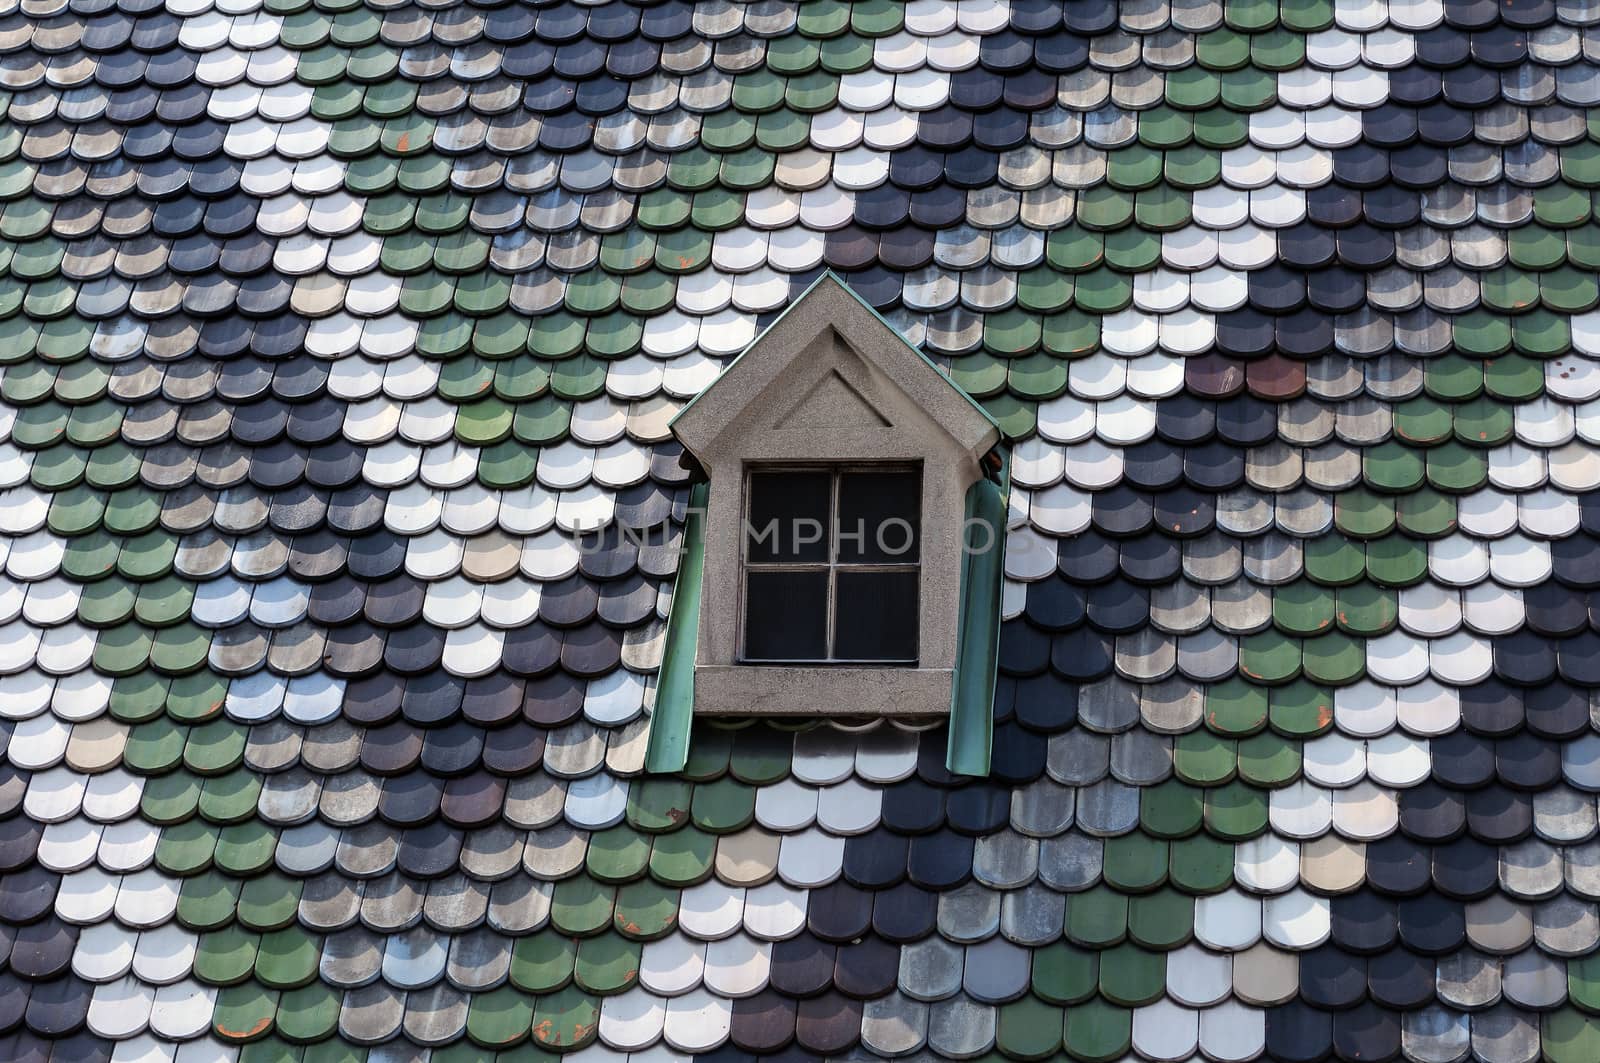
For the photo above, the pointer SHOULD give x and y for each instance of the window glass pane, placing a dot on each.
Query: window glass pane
(879, 517)
(876, 618)
(788, 516)
(786, 615)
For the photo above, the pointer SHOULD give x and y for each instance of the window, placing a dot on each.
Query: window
(832, 564)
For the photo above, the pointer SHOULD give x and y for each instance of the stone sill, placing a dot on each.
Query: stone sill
(826, 690)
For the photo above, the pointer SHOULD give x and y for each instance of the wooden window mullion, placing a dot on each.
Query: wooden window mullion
(833, 559)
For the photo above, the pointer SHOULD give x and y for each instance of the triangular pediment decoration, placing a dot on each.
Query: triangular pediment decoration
(833, 402)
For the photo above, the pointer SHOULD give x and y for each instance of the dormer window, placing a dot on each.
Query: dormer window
(831, 546)
(832, 562)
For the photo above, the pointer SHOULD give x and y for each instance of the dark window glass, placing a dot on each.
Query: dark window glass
(878, 518)
(788, 517)
(876, 616)
(832, 565)
(786, 616)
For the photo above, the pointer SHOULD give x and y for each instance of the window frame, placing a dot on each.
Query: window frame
(832, 565)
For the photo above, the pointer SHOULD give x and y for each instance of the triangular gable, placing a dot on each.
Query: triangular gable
(823, 364)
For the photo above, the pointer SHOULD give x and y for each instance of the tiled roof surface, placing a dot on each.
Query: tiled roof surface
(328, 325)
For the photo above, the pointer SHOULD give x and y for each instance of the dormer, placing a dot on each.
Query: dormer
(839, 462)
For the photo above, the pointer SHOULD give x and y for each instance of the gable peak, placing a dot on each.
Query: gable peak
(830, 361)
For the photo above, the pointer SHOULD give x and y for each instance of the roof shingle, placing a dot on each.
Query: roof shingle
(338, 339)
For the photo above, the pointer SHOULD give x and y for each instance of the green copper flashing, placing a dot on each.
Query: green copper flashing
(978, 634)
(673, 716)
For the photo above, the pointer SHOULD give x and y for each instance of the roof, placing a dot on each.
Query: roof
(328, 325)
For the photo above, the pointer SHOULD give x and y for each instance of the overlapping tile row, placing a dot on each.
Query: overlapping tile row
(340, 341)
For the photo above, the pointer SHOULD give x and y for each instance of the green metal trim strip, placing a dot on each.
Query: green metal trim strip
(673, 716)
(978, 638)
